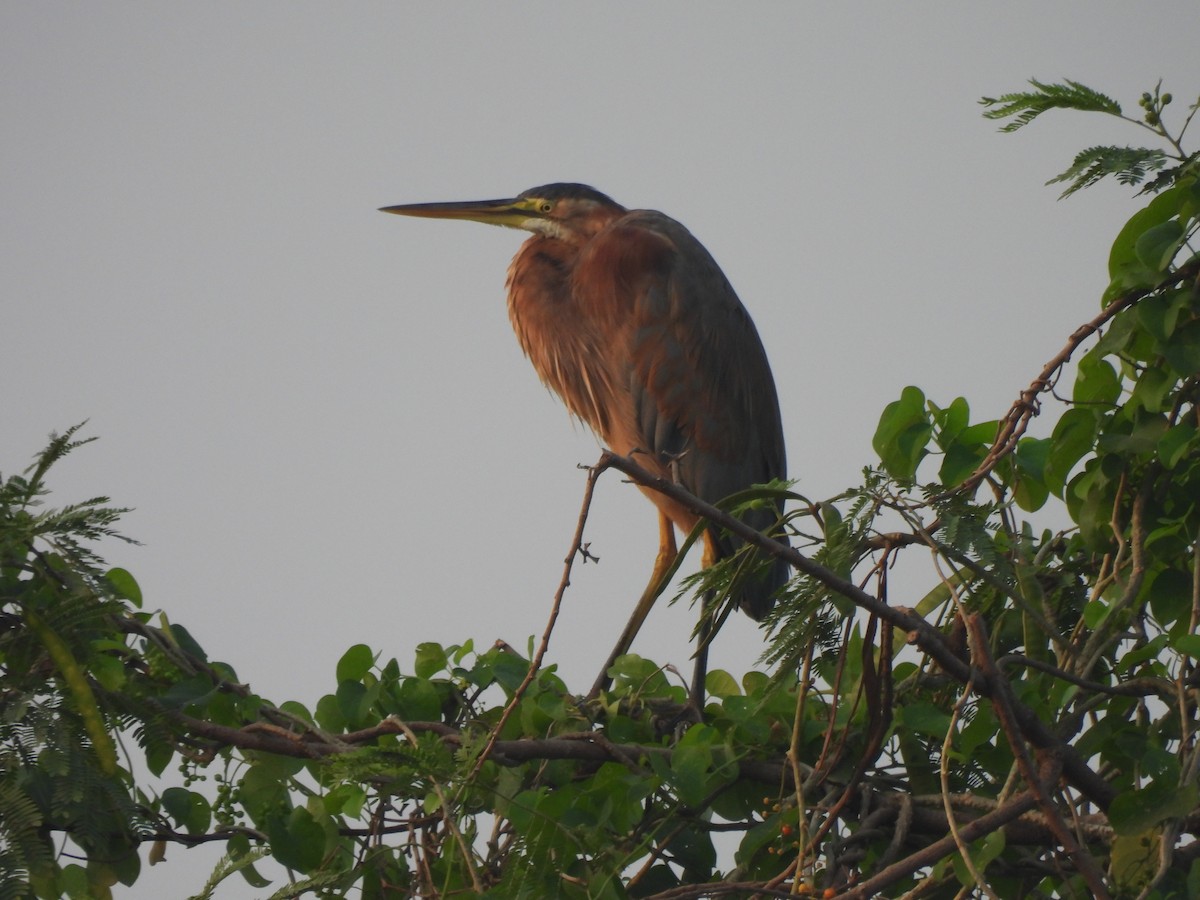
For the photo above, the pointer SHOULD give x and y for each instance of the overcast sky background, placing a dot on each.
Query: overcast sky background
(319, 412)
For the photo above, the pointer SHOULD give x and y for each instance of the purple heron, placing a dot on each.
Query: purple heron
(627, 317)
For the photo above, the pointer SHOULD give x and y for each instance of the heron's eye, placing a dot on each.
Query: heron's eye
(545, 206)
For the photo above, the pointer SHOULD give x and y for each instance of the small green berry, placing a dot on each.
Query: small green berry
(1166, 98)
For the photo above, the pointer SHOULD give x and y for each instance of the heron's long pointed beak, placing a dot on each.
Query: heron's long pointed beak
(514, 213)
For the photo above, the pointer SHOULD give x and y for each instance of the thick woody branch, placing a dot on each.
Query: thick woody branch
(921, 633)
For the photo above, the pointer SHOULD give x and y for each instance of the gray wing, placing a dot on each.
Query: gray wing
(701, 383)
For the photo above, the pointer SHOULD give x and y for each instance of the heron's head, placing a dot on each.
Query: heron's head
(568, 212)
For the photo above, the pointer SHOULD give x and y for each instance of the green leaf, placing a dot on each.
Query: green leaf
(431, 659)
(355, 701)
(951, 420)
(1142, 436)
(189, 809)
(1030, 489)
(720, 683)
(1188, 644)
(980, 433)
(1073, 437)
(419, 700)
(1030, 494)
(1129, 165)
(345, 799)
(184, 640)
(959, 462)
(982, 851)
(1135, 811)
(691, 761)
(1032, 455)
(1158, 245)
(508, 669)
(1025, 106)
(1135, 859)
(1152, 390)
(277, 766)
(252, 876)
(297, 709)
(158, 757)
(1125, 268)
(74, 881)
(1097, 381)
(329, 714)
(125, 585)
(355, 663)
(1183, 349)
(1177, 444)
(1170, 595)
(1160, 313)
(692, 847)
(902, 434)
(924, 718)
(297, 841)
(108, 670)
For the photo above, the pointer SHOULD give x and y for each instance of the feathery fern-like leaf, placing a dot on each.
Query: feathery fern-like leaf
(228, 865)
(1129, 165)
(1025, 106)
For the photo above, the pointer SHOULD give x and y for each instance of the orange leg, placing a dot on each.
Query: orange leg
(667, 552)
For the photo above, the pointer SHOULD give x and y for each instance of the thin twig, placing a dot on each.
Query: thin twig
(1134, 687)
(535, 664)
(931, 853)
(1084, 863)
(964, 852)
(448, 818)
(1016, 420)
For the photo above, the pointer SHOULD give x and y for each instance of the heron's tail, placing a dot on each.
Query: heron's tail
(755, 593)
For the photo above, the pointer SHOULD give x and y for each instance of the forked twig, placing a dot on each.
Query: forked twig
(1016, 420)
(577, 548)
(1083, 860)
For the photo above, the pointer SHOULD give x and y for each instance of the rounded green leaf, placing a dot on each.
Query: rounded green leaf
(355, 701)
(1153, 389)
(903, 431)
(1179, 443)
(1157, 246)
(924, 718)
(720, 683)
(431, 659)
(1097, 381)
(1125, 268)
(329, 714)
(1074, 435)
(959, 461)
(125, 585)
(1170, 595)
(1030, 493)
(297, 841)
(419, 700)
(355, 663)
(1188, 644)
(1183, 349)
(1161, 312)
(189, 809)
(1133, 811)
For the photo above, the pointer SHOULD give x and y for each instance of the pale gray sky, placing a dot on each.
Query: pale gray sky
(320, 413)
